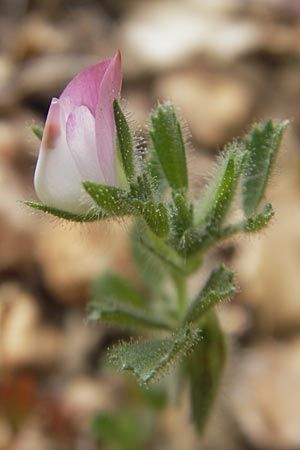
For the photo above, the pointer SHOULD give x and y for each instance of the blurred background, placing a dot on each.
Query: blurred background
(225, 64)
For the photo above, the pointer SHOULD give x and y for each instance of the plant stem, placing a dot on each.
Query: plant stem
(181, 289)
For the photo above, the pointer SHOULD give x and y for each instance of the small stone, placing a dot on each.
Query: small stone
(264, 395)
(84, 396)
(72, 255)
(24, 340)
(6, 434)
(16, 225)
(268, 265)
(45, 76)
(159, 36)
(37, 35)
(31, 436)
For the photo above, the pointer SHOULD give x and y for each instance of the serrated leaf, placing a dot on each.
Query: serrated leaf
(168, 143)
(125, 141)
(114, 312)
(262, 144)
(205, 369)
(148, 360)
(114, 287)
(218, 287)
(112, 200)
(90, 217)
(37, 131)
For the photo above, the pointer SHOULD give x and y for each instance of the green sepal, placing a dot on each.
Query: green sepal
(112, 200)
(112, 286)
(156, 217)
(120, 314)
(89, 217)
(148, 360)
(125, 141)
(205, 370)
(37, 131)
(218, 287)
(168, 143)
(262, 143)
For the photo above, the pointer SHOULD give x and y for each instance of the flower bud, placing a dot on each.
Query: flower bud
(79, 138)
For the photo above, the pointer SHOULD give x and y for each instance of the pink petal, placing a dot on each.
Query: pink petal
(84, 88)
(105, 125)
(81, 139)
(57, 180)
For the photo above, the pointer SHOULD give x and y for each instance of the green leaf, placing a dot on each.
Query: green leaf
(149, 359)
(112, 200)
(182, 213)
(121, 430)
(205, 369)
(208, 198)
(167, 255)
(224, 196)
(156, 173)
(218, 199)
(151, 269)
(262, 144)
(168, 143)
(251, 225)
(142, 189)
(154, 397)
(223, 199)
(125, 141)
(127, 317)
(218, 287)
(258, 222)
(215, 205)
(191, 242)
(37, 131)
(114, 287)
(90, 217)
(156, 217)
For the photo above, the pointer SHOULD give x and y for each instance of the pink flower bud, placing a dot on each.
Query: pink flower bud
(79, 138)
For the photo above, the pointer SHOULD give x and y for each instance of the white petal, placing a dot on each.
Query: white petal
(57, 179)
(81, 139)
